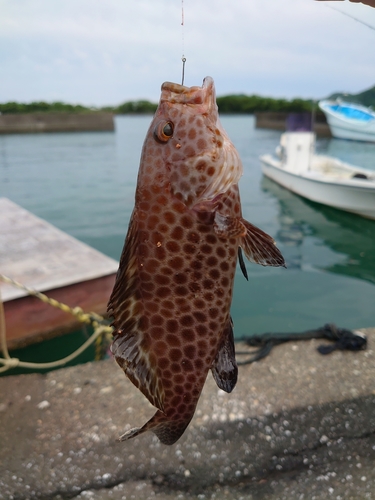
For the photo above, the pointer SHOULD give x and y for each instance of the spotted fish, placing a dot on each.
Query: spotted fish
(171, 300)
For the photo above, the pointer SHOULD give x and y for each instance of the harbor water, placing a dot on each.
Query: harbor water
(84, 184)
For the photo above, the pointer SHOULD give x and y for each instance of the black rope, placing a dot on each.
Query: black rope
(342, 339)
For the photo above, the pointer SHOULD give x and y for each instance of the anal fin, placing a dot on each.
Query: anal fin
(224, 368)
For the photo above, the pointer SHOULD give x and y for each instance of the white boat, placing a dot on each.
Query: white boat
(319, 178)
(349, 121)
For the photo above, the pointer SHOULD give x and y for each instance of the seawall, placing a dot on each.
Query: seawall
(278, 121)
(27, 123)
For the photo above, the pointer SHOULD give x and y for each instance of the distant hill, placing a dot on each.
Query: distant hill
(366, 98)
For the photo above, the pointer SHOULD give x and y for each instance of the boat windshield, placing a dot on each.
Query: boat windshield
(354, 113)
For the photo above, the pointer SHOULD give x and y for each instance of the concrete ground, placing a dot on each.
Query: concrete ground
(299, 425)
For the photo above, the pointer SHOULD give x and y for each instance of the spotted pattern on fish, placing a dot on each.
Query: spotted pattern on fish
(173, 291)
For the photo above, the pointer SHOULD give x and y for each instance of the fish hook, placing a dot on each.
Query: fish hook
(183, 59)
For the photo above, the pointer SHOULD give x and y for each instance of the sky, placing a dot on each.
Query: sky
(106, 52)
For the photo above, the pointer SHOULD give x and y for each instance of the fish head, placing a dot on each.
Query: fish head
(187, 146)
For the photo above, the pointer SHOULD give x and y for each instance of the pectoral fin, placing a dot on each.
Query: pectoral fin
(224, 368)
(259, 247)
(228, 227)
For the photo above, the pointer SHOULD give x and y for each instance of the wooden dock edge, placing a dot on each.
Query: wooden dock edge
(28, 320)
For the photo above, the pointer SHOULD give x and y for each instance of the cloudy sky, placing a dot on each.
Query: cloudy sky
(99, 52)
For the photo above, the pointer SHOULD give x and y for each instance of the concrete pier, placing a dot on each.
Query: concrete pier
(27, 123)
(299, 425)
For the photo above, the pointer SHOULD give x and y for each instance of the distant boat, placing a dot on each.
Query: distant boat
(349, 121)
(319, 178)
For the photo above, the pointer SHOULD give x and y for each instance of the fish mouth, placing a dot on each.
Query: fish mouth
(175, 93)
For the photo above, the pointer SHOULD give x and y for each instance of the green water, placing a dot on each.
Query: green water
(84, 184)
(54, 350)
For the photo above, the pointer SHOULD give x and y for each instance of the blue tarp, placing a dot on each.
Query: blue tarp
(353, 113)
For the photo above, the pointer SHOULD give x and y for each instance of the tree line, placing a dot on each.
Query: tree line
(236, 104)
(41, 106)
(251, 104)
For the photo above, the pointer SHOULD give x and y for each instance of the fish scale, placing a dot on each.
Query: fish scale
(171, 300)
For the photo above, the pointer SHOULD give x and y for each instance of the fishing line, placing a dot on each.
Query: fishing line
(352, 17)
(183, 58)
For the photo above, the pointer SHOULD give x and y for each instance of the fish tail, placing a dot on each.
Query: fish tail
(132, 433)
(167, 430)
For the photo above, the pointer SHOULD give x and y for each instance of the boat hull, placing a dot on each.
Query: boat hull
(358, 199)
(344, 130)
(349, 121)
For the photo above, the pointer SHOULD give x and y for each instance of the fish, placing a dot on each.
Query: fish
(171, 301)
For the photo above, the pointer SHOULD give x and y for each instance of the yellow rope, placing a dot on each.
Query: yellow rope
(97, 321)
(77, 311)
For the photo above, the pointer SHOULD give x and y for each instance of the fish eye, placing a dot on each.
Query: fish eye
(163, 131)
(168, 129)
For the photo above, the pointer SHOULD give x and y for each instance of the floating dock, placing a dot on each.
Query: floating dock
(40, 256)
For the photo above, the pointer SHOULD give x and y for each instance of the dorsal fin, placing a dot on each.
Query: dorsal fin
(125, 306)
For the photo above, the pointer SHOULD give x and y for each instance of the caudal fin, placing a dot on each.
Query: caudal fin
(168, 430)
